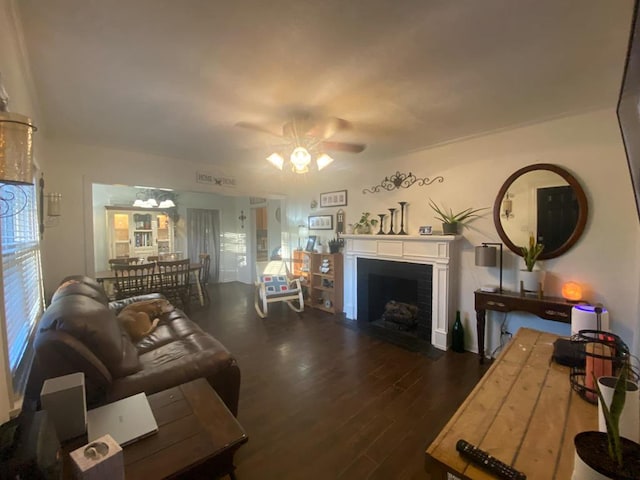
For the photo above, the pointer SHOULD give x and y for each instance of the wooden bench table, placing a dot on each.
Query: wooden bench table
(523, 412)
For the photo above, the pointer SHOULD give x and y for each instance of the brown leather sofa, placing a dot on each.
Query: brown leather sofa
(79, 332)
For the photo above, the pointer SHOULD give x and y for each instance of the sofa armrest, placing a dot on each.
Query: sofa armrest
(117, 305)
(58, 354)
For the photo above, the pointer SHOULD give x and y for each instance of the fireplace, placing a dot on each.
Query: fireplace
(395, 297)
(407, 269)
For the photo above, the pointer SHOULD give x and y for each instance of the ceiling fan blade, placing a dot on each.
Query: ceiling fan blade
(343, 147)
(258, 128)
(328, 128)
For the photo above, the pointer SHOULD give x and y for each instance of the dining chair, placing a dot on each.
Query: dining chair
(202, 278)
(174, 281)
(132, 280)
(122, 261)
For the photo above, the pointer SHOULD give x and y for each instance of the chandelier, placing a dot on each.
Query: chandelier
(151, 198)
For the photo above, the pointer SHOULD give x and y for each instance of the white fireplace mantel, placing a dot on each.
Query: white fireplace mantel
(435, 250)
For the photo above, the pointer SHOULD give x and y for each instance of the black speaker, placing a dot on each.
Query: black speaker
(30, 448)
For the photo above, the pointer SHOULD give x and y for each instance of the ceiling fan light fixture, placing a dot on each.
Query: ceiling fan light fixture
(323, 161)
(300, 158)
(276, 160)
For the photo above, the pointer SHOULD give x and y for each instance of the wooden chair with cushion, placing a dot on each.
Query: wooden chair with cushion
(174, 281)
(132, 280)
(275, 284)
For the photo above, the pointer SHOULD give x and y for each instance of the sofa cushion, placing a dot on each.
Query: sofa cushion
(95, 325)
(190, 354)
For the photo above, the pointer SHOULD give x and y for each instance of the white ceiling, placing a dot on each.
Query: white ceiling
(173, 77)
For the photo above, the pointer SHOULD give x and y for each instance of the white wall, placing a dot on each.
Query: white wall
(605, 261)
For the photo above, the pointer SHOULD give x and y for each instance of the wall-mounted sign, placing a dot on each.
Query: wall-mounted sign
(215, 180)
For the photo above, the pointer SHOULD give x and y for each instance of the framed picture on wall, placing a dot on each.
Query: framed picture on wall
(320, 222)
(333, 199)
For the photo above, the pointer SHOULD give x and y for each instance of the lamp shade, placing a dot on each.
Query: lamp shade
(276, 160)
(16, 148)
(323, 161)
(486, 256)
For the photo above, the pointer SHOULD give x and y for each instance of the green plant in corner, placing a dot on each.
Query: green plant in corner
(531, 253)
(461, 217)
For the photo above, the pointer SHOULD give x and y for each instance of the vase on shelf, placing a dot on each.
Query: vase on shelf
(532, 281)
(450, 228)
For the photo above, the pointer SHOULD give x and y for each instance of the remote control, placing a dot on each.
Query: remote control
(487, 462)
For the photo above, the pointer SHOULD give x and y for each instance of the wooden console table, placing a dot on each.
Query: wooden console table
(523, 412)
(550, 308)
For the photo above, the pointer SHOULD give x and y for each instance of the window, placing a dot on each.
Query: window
(21, 276)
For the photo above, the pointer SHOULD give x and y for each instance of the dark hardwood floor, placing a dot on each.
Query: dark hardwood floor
(321, 401)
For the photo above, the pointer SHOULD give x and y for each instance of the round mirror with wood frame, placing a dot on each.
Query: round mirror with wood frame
(544, 200)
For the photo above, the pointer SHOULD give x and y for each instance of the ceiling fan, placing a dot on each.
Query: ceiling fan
(305, 137)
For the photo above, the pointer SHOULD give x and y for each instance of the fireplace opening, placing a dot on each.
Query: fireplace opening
(395, 300)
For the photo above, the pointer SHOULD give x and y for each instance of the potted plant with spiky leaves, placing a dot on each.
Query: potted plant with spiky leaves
(451, 221)
(601, 455)
(532, 280)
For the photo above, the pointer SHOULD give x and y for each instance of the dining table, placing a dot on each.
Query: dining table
(109, 277)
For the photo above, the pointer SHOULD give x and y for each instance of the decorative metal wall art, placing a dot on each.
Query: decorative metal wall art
(401, 180)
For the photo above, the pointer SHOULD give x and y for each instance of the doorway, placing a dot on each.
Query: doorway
(558, 212)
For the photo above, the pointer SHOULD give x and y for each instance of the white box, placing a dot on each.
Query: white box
(99, 460)
(65, 401)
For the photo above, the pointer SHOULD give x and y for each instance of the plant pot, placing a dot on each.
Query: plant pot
(334, 248)
(592, 461)
(450, 228)
(629, 421)
(531, 281)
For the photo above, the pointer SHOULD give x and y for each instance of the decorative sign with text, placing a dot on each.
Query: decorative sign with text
(215, 180)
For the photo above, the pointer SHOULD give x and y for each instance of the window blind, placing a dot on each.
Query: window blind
(21, 269)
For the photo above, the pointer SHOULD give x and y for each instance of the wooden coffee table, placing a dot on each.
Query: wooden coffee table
(197, 437)
(197, 434)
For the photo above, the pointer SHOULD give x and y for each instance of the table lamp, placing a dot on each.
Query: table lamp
(486, 257)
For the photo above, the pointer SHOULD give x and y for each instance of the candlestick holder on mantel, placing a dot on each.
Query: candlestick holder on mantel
(402, 205)
(381, 215)
(392, 211)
